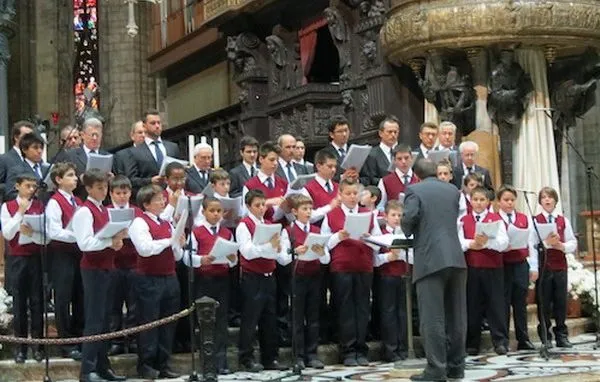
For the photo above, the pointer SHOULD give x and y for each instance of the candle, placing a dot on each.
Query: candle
(203, 139)
(216, 158)
(191, 144)
(45, 152)
(2, 144)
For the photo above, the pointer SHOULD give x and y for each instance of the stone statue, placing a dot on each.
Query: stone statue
(7, 8)
(347, 100)
(509, 91)
(377, 9)
(244, 51)
(340, 33)
(279, 63)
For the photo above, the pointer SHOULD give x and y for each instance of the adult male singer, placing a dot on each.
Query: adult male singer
(288, 169)
(427, 135)
(378, 162)
(245, 170)
(198, 175)
(339, 133)
(121, 158)
(299, 153)
(468, 154)
(439, 272)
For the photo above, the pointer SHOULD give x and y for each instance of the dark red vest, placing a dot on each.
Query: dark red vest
(393, 268)
(206, 241)
(16, 249)
(104, 259)
(259, 265)
(303, 268)
(126, 258)
(349, 255)
(484, 258)
(319, 195)
(556, 259)
(279, 189)
(162, 264)
(393, 185)
(517, 255)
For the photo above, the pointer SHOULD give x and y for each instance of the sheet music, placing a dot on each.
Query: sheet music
(489, 229)
(48, 180)
(518, 237)
(401, 197)
(183, 204)
(235, 206)
(223, 248)
(301, 181)
(121, 214)
(208, 190)
(545, 229)
(179, 228)
(36, 222)
(99, 161)
(357, 224)
(264, 232)
(356, 157)
(438, 156)
(166, 162)
(111, 229)
(313, 239)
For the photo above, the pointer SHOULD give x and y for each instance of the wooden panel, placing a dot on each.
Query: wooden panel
(156, 38)
(175, 27)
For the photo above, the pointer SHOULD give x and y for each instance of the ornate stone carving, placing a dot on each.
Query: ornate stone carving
(247, 53)
(347, 100)
(367, 121)
(340, 33)
(7, 8)
(285, 65)
(368, 51)
(509, 91)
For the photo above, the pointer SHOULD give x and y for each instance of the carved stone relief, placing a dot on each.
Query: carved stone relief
(284, 64)
(340, 34)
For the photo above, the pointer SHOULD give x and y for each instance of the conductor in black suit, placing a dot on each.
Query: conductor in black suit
(288, 169)
(339, 133)
(439, 272)
(122, 157)
(198, 174)
(378, 162)
(13, 156)
(245, 170)
(468, 154)
(146, 159)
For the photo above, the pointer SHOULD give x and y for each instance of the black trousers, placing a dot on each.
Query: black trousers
(124, 286)
(98, 290)
(157, 297)
(555, 303)
(485, 293)
(352, 297)
(516, 284)
(375, 319)
(182, 329)
(327, 310)
(392, 315)
(235, 293)
(283, 276)
(307, 293)
(26, 278)
(68, 294)
(258, 308)
(218, 289)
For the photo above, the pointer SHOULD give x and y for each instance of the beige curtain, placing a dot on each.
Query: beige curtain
(534, 156)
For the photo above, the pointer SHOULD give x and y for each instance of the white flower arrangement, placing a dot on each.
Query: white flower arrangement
(581, 282)
(5, 303)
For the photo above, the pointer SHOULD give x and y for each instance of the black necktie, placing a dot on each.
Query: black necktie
(509, 216)
(159, 220)
(550, 218)
(350, 211)
(214, 230)
(342, 154)
(391, 156)
(290, 174)
(73, 201)
(269, 183)
(36, 170)
(159, 153)
(92, 151)
(328, 187)
(406, 179)
(251, 171)
(306, 228)
(469, 169)
(203, 175)
(477, 217)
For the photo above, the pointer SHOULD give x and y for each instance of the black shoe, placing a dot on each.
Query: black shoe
(299, 365)
(132, 348)
(423, 377)
(564, 343)
(316, 364)
(456, 374)
(39, 355)
(223, 371)
(549, 344)
(116, 349)
(110, 375)
(350, 361)
(147, 372)
(526, 345)
(91, 377)
(275, 365)
(252, 367)
(75, 355)
(500, 350)
(362, 360)
(472, 351)
(168, 373)
(235, 322)
(20, 357)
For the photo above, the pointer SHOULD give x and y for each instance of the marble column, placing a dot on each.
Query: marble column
(478, 58)
(7, 31)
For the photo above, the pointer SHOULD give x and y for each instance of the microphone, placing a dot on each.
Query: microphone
(525, 191)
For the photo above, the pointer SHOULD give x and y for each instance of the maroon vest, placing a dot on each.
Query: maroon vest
(104, 259)
(303, 268)
(259, 265)
(319, 195)
(126, 258)
(349, 255)
(279, 189)
(556, 259)
(393, 185)
(16, 249)
(68, 210)
(206, 241)
(483, 258)
(517, 255)
(162, 264)
(392, 268)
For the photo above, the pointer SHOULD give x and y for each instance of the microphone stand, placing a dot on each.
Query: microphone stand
(296, 369)
(191, 301)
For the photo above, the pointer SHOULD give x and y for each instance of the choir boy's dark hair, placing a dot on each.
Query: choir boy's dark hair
(347, 182)
(253, 194)
(172, 167)
(29, 140)
(480, 190)
(16, 129)
(218, 175)
(25, 177)
(208, 200)
(430, 125)
(551, 192)
(473, 176)
(374, 191)
(146, 194)
(295, 201)
(401, 148)
(506, 188)
(93, 176)
(425, 168)
(393, 205)
(322, 156)
(267, 148)
(60, 169)
(248, 141)
(335, 121)
(120, 182)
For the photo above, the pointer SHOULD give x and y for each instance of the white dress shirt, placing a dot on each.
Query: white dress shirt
(570, 242)
(278, 212)
(381, 186)
(319, 213)
(248, 168)
(54, 221)
(532, 259)
(387, 151)
(499, 244)
(87, 150)
(251, 251)
(335, 238)
(12, 224)
(425, 150)
(196, 259)
(283, 164)
(286, 243)
(145, 245)
(84, 221)
(337, 148)
(380, 259)
(152, 148)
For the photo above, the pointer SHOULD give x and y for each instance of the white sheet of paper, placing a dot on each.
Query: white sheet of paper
(356, 157)
(223, 248)
(121, 214)
(264, 232)
(438, 156)
(235, 206)
(48, 179)
(111, 229)
(301, 181)
(313, 239)
(166, 162)
(401, 197)
(518, 237)
(184, 204)
(36, 222)
(545, 229)
(489, 229)
(101, 162)
(357, 224)
(179, 228)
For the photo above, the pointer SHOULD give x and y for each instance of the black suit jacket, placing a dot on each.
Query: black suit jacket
(338, 170)
(121, 160)
(376, 167)
(458, 175)
(282, 173)
(17, 169)
(142, 166)
(8, 160)
(193, 182)
(79, 158)
(239, 176)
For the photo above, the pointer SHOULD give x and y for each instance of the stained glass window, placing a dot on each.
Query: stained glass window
(85, 71)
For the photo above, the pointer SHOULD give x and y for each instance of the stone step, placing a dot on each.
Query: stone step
(60, 368)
